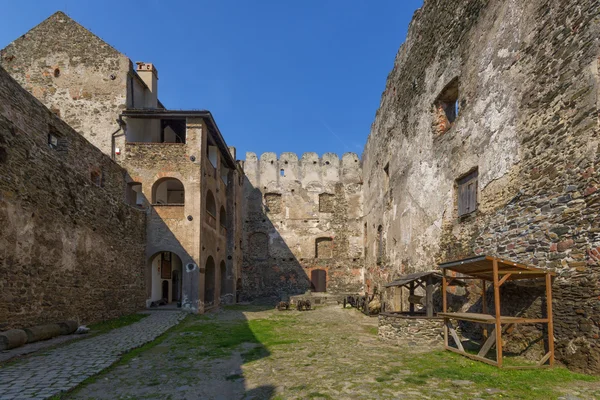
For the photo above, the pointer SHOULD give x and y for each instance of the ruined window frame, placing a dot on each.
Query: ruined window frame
(329, 200)
(446, 107)
(322, 239)
(380, 245)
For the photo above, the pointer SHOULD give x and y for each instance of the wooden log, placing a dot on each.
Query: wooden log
(415, 299)
(41, 332)
(12, 338)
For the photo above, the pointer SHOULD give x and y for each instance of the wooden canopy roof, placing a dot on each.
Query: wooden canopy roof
(482, 267)
(407, 279)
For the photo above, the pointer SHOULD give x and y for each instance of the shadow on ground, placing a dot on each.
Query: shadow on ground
(201, 358)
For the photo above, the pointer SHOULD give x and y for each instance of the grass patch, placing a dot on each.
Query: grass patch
(523, 384)
(106, 326)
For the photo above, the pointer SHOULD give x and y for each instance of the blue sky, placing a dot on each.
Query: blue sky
(277, 75)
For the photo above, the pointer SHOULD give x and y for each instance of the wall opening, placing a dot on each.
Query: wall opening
(273, 203)
(324, 248)
(318, 280)
(326, 202)
(380, 245)
(164, 282)
(223, 272)
(281, 172)
(209, 282)
(168, 191)
(446, 108)
(466, 188)
(134, 194)
(97, 177)
(212, 155)
(156, 130)
(173, 130)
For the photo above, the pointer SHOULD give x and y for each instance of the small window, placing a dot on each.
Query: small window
(386, 169)
(52, 141)
(380, 245)
(446, 108)
(282, 172)
(467, 193)
(96, 177)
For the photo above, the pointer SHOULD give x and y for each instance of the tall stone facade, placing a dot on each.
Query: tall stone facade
(301, 215)
(523, 79)
(96, 90)
(70, 246)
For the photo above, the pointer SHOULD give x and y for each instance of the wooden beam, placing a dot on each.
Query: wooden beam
(472, 356)
(544, 359)
(429, 297)
(484, 306)
(444, 306)
(550, 319)
(497, 309)
(412, 293)
(504, 278)
(454, 336)
(487, 345)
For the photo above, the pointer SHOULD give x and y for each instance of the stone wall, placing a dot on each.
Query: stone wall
(527, 121)
(70, 248)
(301, 215)
(411, 331)
(74, 73)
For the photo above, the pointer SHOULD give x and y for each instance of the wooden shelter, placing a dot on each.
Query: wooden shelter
(497, 271)
(427, 280)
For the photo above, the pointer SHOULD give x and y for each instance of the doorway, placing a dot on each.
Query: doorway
(318, 280)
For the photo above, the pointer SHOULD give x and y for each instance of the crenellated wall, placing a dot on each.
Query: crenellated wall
(301, 214)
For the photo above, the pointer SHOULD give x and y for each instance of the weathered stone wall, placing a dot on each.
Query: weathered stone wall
(288, 233)
(74, 73)
(528, 121)
(411, 331)
(69, 249)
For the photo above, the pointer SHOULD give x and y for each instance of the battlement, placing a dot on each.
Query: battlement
(268, 170)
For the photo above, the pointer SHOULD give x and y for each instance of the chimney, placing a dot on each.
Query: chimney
(149, 75)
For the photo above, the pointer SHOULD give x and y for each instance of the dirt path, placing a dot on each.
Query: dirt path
(328, 353)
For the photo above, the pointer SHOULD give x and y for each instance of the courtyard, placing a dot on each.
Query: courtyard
(256, 352)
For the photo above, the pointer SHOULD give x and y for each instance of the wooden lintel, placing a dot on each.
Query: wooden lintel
(504, 278)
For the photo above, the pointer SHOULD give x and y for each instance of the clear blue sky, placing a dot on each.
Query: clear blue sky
(278, 75)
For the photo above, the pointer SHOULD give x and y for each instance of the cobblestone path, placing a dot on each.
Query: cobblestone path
(61, 369)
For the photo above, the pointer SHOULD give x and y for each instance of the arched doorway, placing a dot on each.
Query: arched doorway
(164, 279)
(209, 282)
(168, 191)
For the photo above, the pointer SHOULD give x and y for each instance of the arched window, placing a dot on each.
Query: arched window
(209, 282)
(380, 245)
(168, 191)
(211, 205)
(223, 217)
(223, 270)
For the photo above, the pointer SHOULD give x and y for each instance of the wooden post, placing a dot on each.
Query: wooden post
(429, 296)
(484, 307)
(412, 292)
(444, 307)
(550, 319)
(497, 309)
